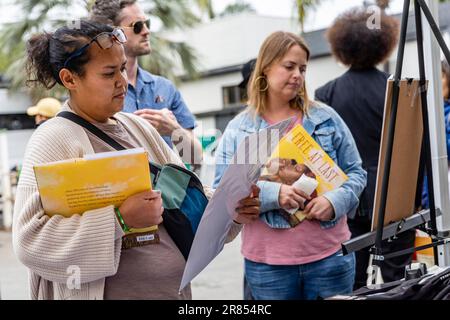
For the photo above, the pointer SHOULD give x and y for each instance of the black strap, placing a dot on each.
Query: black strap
(93, 129)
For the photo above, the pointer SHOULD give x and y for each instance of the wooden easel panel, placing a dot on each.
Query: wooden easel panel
(405, 154)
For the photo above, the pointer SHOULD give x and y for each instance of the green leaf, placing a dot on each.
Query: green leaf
(40, 16)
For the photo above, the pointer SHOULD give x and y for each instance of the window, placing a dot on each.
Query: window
(16, 122)
(233, 96)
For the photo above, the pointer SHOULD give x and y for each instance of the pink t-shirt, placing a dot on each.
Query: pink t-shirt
(305, 243)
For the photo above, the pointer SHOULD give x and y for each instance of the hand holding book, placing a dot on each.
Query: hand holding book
(143, 209)
(291, 197)
(118, 178)
(307, 185)
(320, 209)
(298, 156)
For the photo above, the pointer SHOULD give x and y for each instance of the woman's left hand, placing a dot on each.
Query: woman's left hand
(319, 208)
(248, 208)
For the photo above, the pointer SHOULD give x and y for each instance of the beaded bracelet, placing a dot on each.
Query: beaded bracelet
(122, 222)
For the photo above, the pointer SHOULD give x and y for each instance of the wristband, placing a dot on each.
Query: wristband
(122, 222)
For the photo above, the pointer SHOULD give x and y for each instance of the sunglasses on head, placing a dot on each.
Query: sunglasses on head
(139, 25)
(105, 40)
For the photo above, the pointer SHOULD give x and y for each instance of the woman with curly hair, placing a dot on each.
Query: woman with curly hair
(358, 97)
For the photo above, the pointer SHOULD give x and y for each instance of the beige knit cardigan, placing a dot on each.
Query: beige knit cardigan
(53, 248)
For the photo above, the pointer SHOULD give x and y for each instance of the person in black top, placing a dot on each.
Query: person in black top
(358, 97)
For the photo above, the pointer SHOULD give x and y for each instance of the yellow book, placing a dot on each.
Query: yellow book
(296, 155)
(77, 185)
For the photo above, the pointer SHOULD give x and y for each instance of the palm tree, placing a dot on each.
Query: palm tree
(5, 61)
(206, 6)
(303, 6)
(46, 15)
(237, 7)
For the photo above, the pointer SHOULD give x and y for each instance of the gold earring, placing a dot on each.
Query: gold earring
(257, 83)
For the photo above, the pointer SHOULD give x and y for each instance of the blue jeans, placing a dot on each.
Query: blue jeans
(320, 279)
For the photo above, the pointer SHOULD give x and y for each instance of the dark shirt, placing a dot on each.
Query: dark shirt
(358, 97)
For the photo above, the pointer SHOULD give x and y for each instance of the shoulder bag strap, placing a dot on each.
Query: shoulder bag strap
(92, 128)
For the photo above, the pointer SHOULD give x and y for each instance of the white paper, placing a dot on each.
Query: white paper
(305, 184)
(110, 154)
(241, 174)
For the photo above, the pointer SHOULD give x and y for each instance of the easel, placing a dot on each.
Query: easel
(423, 216)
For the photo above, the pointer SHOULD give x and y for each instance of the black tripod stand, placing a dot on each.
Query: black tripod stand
(376, 251)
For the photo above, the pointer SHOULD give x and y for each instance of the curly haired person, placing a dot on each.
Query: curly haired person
(358, 97)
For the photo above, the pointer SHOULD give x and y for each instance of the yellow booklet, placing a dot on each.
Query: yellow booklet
(77, 185)
(300, 161)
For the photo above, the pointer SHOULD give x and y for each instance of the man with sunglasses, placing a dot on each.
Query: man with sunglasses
(152, 97)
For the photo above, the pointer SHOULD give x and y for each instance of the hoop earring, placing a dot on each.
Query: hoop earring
(257, 83)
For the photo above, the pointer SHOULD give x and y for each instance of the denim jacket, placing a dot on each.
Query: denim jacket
(331, 133)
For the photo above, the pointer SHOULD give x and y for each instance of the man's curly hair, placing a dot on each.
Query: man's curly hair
(355, 45)
(108, 11)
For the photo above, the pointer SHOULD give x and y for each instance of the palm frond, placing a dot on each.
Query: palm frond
(40, 16)
(303, 7)
(237, 7)
(168, 56)
(173, 14)
(206, 6)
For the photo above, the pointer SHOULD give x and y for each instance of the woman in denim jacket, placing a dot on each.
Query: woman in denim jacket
(302, 262)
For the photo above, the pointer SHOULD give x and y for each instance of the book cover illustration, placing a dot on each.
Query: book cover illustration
(300, 161)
